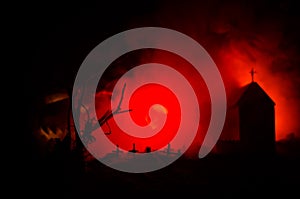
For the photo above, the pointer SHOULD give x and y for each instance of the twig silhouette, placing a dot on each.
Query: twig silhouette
(90, 126)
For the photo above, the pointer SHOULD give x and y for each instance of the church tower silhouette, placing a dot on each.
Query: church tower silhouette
(256, 120)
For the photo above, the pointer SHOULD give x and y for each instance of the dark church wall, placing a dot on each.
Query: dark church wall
(257, 127)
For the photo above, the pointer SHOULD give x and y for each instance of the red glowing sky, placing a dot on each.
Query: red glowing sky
(238, 36)
(238, 41)
(145, 97)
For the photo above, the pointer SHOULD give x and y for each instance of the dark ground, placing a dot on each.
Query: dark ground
(213, 176)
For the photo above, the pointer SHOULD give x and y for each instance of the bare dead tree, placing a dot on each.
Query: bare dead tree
(77, 154)
(91, 123)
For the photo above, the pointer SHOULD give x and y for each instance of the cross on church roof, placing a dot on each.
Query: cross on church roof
(252, 72)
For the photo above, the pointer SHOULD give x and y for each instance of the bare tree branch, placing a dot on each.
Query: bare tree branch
(109, 132)
(121, 100)
(90, 127)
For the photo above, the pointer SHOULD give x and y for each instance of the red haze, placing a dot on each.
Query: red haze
(244, 35)
(147, 96)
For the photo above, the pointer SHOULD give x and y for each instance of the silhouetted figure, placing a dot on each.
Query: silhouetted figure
(257, 120)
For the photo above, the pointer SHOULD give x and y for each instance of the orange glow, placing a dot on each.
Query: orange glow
(158, 111)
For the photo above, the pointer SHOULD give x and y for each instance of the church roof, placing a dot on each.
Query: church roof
(253, 93)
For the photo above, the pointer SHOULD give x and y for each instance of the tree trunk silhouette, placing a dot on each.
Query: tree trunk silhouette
(77, 159)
